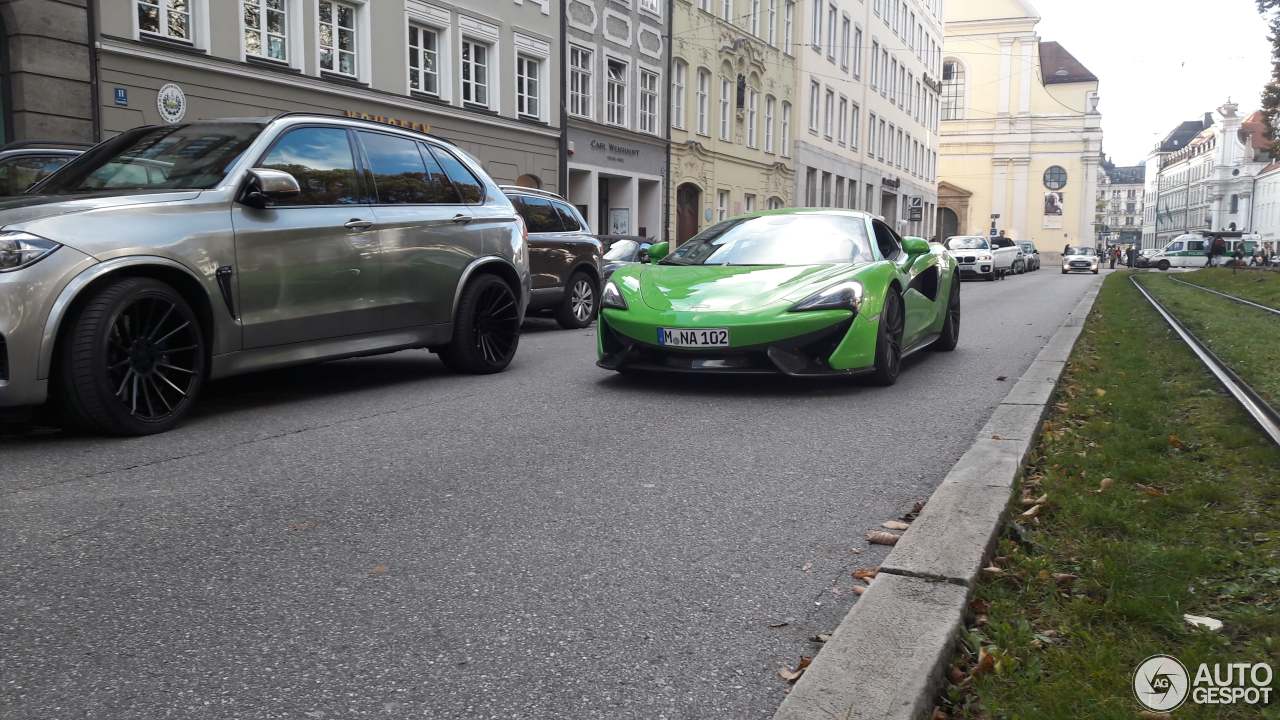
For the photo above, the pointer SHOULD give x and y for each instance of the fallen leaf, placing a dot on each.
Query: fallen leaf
(979, 606)
(791, 675)
(1034, 511)
(1104, 485)
(1151, 490)
(378, 569)
(956, 675)
(992, 570)
(938, 714)
(917, 508)
(1204, 622)
(880, 537)
(980, 621)
(1099, 392)
(858, 589)
(986, 663)
(820, 638)
(866, 573)
(895, 525)
(1175, 441)
(1065, 578)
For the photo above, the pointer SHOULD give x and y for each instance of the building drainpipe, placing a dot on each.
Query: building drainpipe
(667, 188)
(95, 112)
(563, 164)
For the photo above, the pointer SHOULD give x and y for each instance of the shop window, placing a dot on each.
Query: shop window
(424, 60)
(168, 19)
(528, 87)
(475, 72)
(320, 159)
(580, 76)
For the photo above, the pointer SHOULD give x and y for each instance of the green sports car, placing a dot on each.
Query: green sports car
(803, 292)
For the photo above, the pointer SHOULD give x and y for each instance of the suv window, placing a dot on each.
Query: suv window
(21, 172)
(399, 174)
(539, 214)
(887, 240)
(568, 217)
(1195, 245)
(320, 159)
(471, 189)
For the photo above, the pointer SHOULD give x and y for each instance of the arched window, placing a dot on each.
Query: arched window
(952, 90)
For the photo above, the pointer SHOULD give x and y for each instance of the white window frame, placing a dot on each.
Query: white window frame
(679, 75)
(653, 7)
(702, 107)
(360, 16)
(755, 17)
(617, 110)
(654, 95)
(292, 46)
(722, 205)
(440, 21)
(770, 110)
(771, 33)
(586, 75)
(490, 54)
(785, 130)
(748, 202)
(523, 96)
(842, 120)
(726, 109)
(416, 52)
(753, 117)
(197, 22)
(855, 125)
(815, 25)
(828, 111)
(857, 50)
(726, 10)
(815, 105)
(846, 33)
(538, 50)
(833, 17)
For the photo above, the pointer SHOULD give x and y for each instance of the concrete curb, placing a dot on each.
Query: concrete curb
(886, 659)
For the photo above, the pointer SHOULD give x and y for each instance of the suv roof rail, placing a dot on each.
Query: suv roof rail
(374, 123)
(532, 191)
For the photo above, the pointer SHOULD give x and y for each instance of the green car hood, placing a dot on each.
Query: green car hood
(734, 288)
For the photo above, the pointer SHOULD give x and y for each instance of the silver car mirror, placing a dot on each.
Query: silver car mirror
(266, 185)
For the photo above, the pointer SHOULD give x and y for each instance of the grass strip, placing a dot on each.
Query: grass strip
(1149, 494)
(1260, 286)
(1247, 339)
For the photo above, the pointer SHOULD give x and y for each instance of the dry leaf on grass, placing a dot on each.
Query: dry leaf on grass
(992, 570)
(791, 675)
(1099, 392)
(986, 663)
(1151, 490)
(1034, 511)
(938, 714)
(956, 675)
(1104, 485)
(1065, 579)
(895, 525)
(880, 537)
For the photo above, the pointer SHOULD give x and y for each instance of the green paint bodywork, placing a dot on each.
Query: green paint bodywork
(754, 302)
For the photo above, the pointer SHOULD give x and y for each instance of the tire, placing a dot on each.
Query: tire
(132, 360)
(1095, 272)
(1064, 272)
(889, 341)
(1163, 265)
(580, 305)
(992, 276)
(950, 336)
(486, 332)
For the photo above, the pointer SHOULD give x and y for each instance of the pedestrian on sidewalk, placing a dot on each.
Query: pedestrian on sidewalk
(1112, 255)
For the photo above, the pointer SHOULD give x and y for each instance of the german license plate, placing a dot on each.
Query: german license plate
(693, 337)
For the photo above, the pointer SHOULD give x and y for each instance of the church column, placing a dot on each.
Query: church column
(1018, 223)
(1088, 203)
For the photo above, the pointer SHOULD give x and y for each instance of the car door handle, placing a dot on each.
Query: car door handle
(358, 224)
(462, 219)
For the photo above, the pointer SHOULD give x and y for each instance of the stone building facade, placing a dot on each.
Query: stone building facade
(46, 71)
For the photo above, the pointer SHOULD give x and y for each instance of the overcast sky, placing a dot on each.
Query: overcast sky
(1161, 62)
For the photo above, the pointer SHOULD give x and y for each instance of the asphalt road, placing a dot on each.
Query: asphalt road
(380, 538)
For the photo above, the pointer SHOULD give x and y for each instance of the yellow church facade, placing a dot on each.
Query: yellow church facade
(1021, 135)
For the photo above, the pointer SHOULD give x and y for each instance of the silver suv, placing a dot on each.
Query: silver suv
(168, 256)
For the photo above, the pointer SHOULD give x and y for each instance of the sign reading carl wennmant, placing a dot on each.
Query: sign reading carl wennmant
(1161, 683)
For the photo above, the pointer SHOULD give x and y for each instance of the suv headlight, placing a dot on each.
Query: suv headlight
(984, 258)
(611, 297)
(846, 295)
(20, 249)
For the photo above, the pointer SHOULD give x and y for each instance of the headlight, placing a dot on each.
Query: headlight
(984, 258)
(20, 249)
(611, 297)
(841, 296)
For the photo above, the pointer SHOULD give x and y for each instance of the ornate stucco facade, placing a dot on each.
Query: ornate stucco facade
(734, 111)
(1020, 130)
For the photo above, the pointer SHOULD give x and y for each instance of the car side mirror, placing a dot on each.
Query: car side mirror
(267, 185)
(914, 246)
(658, 251)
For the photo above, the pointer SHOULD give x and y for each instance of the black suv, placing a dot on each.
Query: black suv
(564, 257)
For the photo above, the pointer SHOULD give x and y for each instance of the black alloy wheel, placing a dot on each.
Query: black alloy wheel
(133, 359)
(487, 330)
(889, 341)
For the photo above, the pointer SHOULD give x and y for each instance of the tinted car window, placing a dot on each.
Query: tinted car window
(539, 215)
(802, 239)
(399, 174)
(568, 217)
(19, 173)
(471, 189)
(321, 161)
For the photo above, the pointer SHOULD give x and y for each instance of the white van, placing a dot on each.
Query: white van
(1192, 250)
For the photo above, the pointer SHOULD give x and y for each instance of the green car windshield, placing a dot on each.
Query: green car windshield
(791, 239)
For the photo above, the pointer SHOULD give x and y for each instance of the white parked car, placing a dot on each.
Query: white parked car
(1080, 259)
(978, 256)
